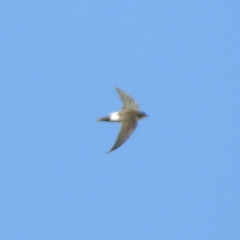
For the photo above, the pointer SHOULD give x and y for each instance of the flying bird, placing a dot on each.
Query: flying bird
(128, 116)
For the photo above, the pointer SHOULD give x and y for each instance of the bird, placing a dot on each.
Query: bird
(128, 116)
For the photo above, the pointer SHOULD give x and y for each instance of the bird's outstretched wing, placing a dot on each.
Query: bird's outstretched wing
(128, 102)
(129, 124)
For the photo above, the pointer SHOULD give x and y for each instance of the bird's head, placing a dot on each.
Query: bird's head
(142, 115)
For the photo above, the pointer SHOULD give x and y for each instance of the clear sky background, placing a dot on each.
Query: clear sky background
(177, 177)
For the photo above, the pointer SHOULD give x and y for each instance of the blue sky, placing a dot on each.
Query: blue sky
(177, 177)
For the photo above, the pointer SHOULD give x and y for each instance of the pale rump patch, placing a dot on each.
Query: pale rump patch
(114, 116)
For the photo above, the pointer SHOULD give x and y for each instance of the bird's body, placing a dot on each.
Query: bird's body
(128, 116)
(115, 117)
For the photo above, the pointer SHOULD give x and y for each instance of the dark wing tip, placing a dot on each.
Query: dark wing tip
(112, 149)
(116, 88)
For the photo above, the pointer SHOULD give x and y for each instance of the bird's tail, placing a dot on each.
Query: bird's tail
(106, 119)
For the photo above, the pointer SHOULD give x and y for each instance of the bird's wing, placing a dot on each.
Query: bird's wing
(128, 102)
(128, 125)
